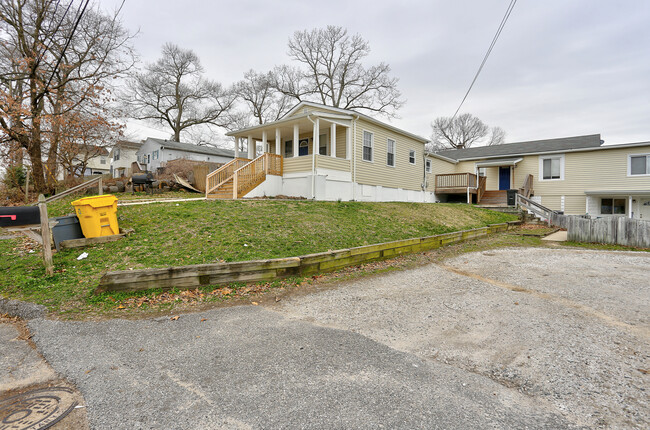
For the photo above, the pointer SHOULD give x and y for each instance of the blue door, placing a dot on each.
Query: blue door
(504, 178)
(303, 147)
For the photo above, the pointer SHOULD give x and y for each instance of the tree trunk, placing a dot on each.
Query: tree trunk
(52, 155)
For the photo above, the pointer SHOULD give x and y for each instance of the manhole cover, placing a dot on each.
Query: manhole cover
(37, 409)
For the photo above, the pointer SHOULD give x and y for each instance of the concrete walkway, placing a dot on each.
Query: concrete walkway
(558, 236)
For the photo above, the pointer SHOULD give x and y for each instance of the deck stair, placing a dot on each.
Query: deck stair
(240, 176)
(495, 199)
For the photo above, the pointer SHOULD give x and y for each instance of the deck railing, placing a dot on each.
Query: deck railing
(223, 174)
(254, 173)
(456, 180)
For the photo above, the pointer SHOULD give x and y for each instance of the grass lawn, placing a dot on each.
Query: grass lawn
(174, 234)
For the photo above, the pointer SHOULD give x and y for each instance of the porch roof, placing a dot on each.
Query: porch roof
(499, 162)
(618, 193)
(285, 124)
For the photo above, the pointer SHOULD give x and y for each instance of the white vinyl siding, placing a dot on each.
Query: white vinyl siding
(412, 156)
(367, 146)
(639, 165)
(390, 153)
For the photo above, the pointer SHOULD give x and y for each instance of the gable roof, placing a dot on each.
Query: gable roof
(327, 111)
(127, 144)
(561, 144)
(188, 147)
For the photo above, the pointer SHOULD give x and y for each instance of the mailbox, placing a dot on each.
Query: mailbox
(18, 216)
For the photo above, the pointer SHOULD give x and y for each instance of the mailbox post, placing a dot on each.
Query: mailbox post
(45, 234)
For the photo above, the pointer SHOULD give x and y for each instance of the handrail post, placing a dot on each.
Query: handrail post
(234, 186)
(100, 186)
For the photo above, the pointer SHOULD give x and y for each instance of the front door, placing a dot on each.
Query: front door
(303, 147)
(504, 178)
(644, 209)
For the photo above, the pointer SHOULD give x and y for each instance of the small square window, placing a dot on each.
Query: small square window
(412, 156)
(640, 165)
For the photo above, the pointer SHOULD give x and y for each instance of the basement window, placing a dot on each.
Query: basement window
(612, 206)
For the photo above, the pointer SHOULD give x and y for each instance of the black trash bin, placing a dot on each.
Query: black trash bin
(67, 228)
(512, 197)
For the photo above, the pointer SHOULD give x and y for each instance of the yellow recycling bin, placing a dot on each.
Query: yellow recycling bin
(97, 215)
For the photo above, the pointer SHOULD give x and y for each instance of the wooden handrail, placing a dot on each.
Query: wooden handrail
(254, 173)
(536, 208)
(223, 174)
(526, 189)
(482, 180)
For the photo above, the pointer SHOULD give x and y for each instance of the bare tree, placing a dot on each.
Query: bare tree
(463, 131)
(264, 102)
(332, 73)
(173, 92)
(53, 56)
(497, 136)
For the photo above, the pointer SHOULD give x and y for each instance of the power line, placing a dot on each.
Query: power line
(487, 54)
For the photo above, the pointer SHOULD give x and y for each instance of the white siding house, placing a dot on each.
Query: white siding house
(122, 156)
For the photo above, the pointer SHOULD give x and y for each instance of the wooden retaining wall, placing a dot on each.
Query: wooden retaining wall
(186, 277)
(612, 230)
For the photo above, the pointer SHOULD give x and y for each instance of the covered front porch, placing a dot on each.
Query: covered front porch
(626, 203)
(488, 185)
(303, 141)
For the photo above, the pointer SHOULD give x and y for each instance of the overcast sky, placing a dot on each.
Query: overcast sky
(560, 67)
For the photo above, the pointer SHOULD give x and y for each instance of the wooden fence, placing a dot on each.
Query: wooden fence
(612, 230)
(186, 277)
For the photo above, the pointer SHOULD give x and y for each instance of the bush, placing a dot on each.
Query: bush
(14, 177)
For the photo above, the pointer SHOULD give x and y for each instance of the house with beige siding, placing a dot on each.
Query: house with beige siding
(575, 175)
(325, 153)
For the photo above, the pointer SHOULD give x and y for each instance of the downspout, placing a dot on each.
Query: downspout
(354, 157)
(313, 162)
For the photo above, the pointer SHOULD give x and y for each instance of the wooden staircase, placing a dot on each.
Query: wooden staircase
(240, 176)
(494, 199)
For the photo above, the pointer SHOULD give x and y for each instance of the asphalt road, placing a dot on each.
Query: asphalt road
(433, 347)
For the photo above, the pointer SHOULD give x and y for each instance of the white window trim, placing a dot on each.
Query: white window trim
(372, 146)
(540, 175)
(629, 165)
(394, 152)
(429, 168)
(415, 157)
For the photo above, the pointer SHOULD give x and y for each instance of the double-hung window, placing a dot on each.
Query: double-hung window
(640, 164)
(552, 168)
(412, 156)
(427, 166)
(367, 146)
(390, 153)
(288, 149)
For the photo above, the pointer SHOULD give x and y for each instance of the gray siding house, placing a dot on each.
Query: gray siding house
(155, 153)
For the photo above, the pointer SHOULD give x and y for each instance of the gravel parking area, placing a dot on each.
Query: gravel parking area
(567, 328)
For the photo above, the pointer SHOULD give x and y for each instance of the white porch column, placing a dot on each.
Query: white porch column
(348, 143)
(236, 147)
(265, 143)
(296, 136)
(278, 142)
(251, 148)
(316, 136)
(333, 140)
(631, 214)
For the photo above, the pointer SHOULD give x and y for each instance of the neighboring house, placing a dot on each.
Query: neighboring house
(122, 156)
(325, 153)
(71, 162)
(576, 175)
(154, 153)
